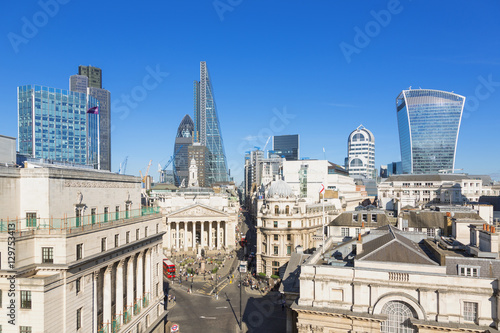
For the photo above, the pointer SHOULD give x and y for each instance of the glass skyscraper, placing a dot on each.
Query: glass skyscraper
(183, 140)
(54, 125)
(207, 127)
(287, 146)
(89, 81)
(428, 122)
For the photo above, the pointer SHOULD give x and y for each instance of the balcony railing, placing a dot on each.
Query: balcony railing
(145, 300)
(137, 307)
(127, 316)
(104, 329)
(73, 224)
(115, 324)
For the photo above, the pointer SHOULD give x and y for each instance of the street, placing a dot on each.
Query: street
(200, 309)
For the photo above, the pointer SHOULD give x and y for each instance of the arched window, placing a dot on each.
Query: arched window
(287, 210)
(276, 210)
(398, 317)
(356, 163)
(358, 137)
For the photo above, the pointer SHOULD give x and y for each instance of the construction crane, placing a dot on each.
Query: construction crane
(123, 166)
(143, 178)
(162, 170)
(264, 149)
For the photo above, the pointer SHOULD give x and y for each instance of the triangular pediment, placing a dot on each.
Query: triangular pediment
(197, 210)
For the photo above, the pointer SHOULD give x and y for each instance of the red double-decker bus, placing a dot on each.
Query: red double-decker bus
(168, 268)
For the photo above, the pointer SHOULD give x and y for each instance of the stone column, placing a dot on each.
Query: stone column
(177, 236)
(147, 273)
(201, 234)
(210, 241)
(225, 234)
(139, 275)
(217, 238)
(185, 236)
(106, 297)
(130, 282)
(95, 278)
(119, 289)
(169, 236)
(194, 235)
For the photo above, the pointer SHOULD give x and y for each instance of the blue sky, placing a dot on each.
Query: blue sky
(316, 68)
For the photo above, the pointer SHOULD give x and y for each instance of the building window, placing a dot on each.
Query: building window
(288, 237)
(147, 321)
(0, 302)
(355, 217)
(25, 299)
(92, 215)
(47, 255)
(287, 210)
(79, 251)
(103, 244)
(470, 311)
(365, 217)
(79, 318)
(117, 240)
(289, 224)
(399, 316)
(145, 231)
(357, 231)
(31, 219)
(127, 237)
(137, 234)
(25, 329)
(472, 271)
(431, 232)
(78, 285)
(106, 212)
(117, 212)
(139, 328)
(276, 250)
(157, 272)
(78, 217)
(127, 211)
(275, 237)
(374, 218)
(157, 289)
(275, 224)
(344, 232)
(276, 210)
(288, 249)
(157, 227)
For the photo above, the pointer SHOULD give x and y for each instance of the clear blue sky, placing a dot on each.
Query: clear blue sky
(307, 58)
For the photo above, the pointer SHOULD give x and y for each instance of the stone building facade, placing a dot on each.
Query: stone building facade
(198, 220)
(285, 222)
(87, 256)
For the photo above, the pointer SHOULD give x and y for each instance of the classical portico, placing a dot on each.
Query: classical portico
(199, 226)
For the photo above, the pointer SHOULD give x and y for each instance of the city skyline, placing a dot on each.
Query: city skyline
(292, 75)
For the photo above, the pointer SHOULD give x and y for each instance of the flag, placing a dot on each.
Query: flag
(94, 110)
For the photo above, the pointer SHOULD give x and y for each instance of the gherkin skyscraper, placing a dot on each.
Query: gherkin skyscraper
(207, 128)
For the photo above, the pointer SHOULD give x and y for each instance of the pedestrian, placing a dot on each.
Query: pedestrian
(174, 298)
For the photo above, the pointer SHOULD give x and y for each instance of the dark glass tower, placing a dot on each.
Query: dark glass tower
(207, 128)
(89, 81)
(287, 146)
(428, 122)
(183, 140)
(93, 73)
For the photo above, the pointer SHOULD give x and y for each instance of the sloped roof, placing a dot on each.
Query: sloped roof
(291, 282)
(433, 219)
(394, 247)
(346, 219)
